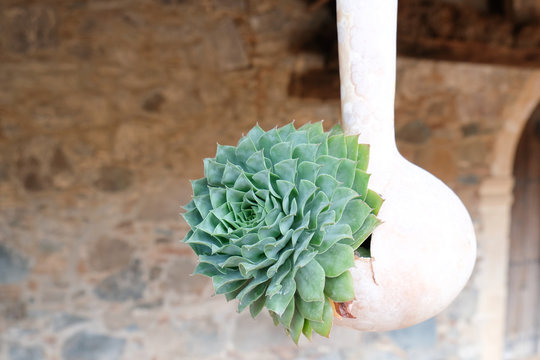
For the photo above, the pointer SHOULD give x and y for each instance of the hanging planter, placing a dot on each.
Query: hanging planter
(281, 220)
(277, 221)
(424, 251)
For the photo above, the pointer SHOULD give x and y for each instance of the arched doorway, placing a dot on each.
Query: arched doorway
(523, 304)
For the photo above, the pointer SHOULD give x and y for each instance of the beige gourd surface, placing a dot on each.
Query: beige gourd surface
(424, 251)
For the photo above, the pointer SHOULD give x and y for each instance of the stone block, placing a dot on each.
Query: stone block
(470, 129)
(114, 179)
(334, 355)
(165, 203)
(180, 280)
(253, 334)
(270, 22)
(64, 321)
(175, 2)
(35, 182)
(59, 162)
(150, 305)
(229, 46)
(155, 273)
(13, 310)
(53, 265)
(59, 110)
(474, 152)
(139, 143)
(153, 102)
(469, 179)
(526, 10)
(10, 126)
(230, 5)
(156, 343)
(261, 6)
(126, 284)
(421, 336)
(31, 28)
(202, 338)
(438, 111)
(322, 84)
(415, 132)
(440, 161)
(120, 318)
(14, 267)
(4, 172)
(374, 354)
(465, 305)
(90, 346)
(10, 292)
(21, 352)
(529, 37)
(48, 246)
(30, 171)
(109, 254)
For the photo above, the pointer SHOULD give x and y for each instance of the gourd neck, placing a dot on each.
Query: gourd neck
(367, 65)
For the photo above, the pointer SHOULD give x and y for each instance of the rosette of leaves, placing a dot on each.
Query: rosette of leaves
(277, 219)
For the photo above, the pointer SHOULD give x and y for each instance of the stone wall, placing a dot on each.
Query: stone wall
(108, 107)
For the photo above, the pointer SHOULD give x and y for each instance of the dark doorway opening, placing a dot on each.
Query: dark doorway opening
(523, 307)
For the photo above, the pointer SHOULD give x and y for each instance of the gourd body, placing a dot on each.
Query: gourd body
(424, 251)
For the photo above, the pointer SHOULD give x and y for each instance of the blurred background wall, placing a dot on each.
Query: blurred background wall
(107, 108)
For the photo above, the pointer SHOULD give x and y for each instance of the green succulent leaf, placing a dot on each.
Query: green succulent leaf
(287, 316)
(297, 324)
(337, 146)
(355, 214)
(277, 219)
(338, 259)
(340, 289)
(256, 307)
(360, 183)
(363, 233)
(352, 147)
(312, 310)
(200, 186)
(362, 157)
(307, 330)
(323, 327)
(310, 282)
(374, 201)
(279, 302)
(363, 252)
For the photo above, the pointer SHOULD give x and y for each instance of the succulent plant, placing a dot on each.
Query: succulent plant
(277, 219)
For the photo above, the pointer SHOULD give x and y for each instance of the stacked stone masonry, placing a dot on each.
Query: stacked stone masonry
(107, 108)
